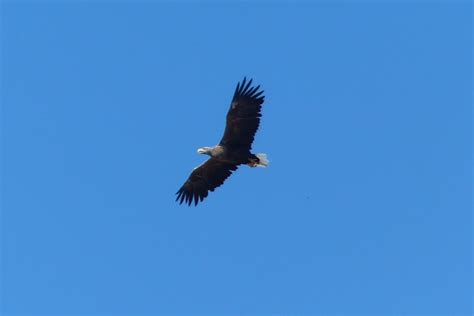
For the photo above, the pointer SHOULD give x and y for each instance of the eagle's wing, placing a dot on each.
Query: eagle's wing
(204, 178)
(243, 117)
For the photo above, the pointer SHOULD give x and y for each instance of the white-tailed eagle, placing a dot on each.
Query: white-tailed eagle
(234, 149)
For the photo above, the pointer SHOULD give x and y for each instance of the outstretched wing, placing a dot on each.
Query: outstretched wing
(204, 178)
(243, 117)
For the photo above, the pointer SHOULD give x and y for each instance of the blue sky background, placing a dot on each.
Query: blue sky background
(365, 209)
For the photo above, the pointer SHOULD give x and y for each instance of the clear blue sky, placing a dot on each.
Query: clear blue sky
(366, 206)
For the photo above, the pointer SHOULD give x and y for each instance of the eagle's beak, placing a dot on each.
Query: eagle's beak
(201, 151)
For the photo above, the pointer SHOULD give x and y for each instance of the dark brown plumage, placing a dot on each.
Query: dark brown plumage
(242, 122)
(243, 117)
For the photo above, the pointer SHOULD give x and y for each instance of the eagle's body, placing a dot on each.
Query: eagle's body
(234, 149)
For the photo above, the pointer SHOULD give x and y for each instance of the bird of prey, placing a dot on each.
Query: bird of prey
(234, 149)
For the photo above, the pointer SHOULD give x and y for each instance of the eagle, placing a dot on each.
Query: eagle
(233, 150)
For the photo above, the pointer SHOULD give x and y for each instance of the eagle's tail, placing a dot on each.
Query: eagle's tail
(262, 160)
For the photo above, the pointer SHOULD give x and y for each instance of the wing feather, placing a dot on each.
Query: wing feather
(243, 117)
(203, 179)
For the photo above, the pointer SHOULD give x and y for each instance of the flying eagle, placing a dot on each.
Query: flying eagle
(243, 119)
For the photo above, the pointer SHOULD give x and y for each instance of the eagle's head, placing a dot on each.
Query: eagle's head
(205, 150)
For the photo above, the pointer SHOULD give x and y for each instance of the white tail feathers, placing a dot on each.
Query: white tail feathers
(263, 160)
